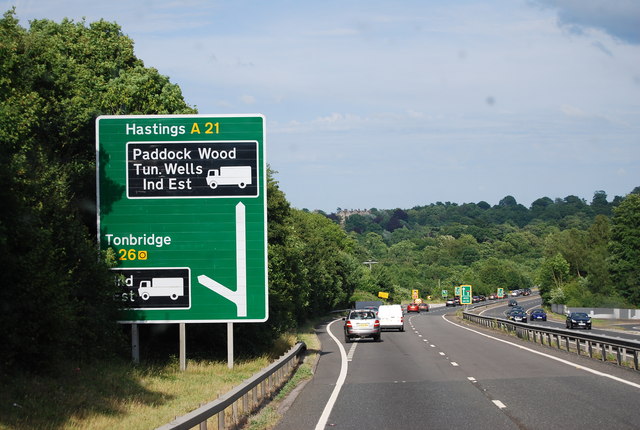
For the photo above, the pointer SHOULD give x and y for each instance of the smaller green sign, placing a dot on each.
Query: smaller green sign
(465, 296)
(445, 293)
(457, 291)
(500, 292)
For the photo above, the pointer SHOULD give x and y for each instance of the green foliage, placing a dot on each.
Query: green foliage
(562, 245)
(55, 78)
(625, 248)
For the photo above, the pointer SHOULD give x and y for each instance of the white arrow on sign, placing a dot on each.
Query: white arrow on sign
(239, 296)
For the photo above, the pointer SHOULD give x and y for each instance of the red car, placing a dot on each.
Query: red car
(413, 307)
(423, 307)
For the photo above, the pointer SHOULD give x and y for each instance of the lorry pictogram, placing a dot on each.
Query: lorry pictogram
(161, 287)
(229, 175)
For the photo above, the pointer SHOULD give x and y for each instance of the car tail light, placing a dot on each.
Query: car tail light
(402, 320)
(376, 324)
(348, 324)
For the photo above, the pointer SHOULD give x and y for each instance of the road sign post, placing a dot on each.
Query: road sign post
(182, 204)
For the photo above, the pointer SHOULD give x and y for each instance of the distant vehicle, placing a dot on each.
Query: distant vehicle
(361, 323)
(537, 314)
(512, 302)
(483, 298)
(518, 316)
(229, 175)
(391, 317)
(413, 307)
(526, 292)
(450, 302)
(516, 293)
(161, 287)
(368, 304)
(493, 296)
(578, 319)
(423, 307)
(475, 299)
(457, 300)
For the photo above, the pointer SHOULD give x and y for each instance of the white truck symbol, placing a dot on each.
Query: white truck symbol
(229, 175)
(161, 287)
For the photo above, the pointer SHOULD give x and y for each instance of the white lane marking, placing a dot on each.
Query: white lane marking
(352, 351)
(454, 364)
(499, 404)
(471, 378)
(441, 353)
(433, 346)
(560, 360)
(344, 367)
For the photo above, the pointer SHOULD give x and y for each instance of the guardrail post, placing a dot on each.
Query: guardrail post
(221, 420)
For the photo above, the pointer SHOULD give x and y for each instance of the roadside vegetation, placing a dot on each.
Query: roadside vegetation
(578, 253)
(64, 358)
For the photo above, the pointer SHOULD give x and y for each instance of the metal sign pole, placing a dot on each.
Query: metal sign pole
(183, 347)
(230, 345)
(135, 344)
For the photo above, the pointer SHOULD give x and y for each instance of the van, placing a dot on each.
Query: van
(391, 317)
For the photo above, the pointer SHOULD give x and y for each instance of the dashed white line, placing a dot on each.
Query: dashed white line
(352, 351)
(472, 379)
(499, 404)
(441, 353)
(453, 363)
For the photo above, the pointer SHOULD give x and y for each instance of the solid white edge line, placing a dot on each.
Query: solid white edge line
(322, 422)
(560, 360)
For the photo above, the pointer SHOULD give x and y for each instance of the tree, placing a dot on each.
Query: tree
(54, 80)
(552, 275)
(625, 248)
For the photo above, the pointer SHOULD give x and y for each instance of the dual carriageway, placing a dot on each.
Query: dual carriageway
(444, 373)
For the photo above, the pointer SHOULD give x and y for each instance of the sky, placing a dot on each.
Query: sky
(404, 103)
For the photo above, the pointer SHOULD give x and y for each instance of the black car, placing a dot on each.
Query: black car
(578, 319)
(538, 314)
(509, 311)
(518, 316)
(513, 302)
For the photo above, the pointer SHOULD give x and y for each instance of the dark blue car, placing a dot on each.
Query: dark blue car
(538, 314)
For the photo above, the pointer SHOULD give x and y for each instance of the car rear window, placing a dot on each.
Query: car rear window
(361, 315)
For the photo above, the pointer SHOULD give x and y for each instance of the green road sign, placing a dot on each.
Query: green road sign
(500, 292)
(182, 203)
(465, 295)
(444, 293)
(457, 291)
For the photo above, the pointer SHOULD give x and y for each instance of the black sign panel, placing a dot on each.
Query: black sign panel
(157, 288)
(192, 169)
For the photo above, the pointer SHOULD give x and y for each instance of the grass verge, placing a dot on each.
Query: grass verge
(116, 394)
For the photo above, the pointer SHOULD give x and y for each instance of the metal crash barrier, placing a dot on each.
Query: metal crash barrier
(229, 409)
(622, 352)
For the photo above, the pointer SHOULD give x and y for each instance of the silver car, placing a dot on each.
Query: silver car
(361, 323)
